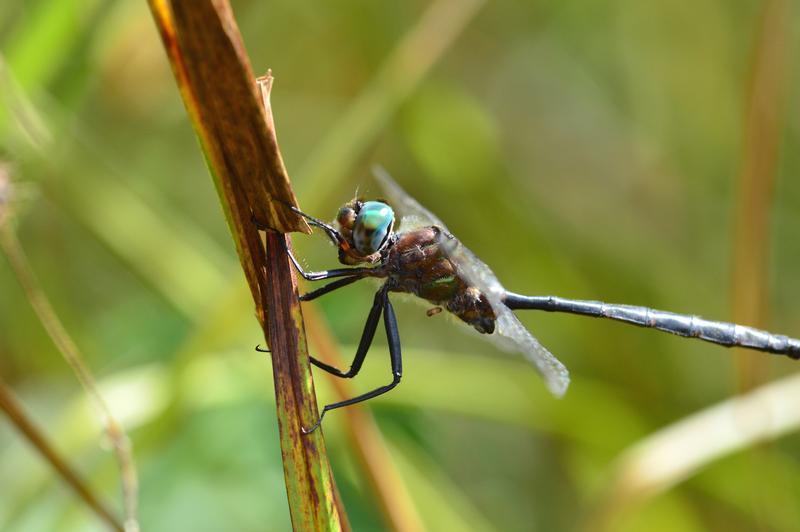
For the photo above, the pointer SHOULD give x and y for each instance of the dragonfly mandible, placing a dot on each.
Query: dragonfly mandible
(421, 257)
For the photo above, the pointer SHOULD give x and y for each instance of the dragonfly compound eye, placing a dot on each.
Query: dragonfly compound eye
(372, 227)
(346, 217)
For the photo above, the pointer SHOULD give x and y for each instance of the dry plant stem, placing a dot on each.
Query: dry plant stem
(763, 124)
(237, 135)
(58, 334)
(294, 394)
(215, 79)
(385, 482)
(294, 386)
(14, 411)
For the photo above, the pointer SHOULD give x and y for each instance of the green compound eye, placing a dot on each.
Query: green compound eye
(372, 227)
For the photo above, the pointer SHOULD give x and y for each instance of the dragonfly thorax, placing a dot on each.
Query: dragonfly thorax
(418, 263)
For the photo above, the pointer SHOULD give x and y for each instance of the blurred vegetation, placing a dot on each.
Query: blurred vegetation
(589, 150)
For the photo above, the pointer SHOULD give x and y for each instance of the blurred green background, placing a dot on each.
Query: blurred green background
(584, 149)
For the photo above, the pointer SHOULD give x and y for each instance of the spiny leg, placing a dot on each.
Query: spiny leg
(330, 287)
(326, 274)
(354, 274)
(350, 275)
(320, 292)
(393, 336)
(313, 276)
(335, 236)
(366, 340)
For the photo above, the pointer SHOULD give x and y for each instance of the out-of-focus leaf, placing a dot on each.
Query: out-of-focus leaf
(48, 30)
(769, 503)
(439, 499)
(399, 75)
(452, 136)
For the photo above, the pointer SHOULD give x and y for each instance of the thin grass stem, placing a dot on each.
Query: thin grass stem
(41, 305)
(11, 407)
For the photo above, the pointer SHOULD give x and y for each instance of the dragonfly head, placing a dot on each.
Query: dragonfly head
(367, 226)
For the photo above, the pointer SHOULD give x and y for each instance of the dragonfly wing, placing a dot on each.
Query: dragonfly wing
(509, 334)
(414, 215)
(513, 336)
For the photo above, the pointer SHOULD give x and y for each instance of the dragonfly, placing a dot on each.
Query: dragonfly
(423, 258)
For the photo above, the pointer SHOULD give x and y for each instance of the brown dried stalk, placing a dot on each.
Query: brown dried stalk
(17, 416)
(237, 134)
(762, 128)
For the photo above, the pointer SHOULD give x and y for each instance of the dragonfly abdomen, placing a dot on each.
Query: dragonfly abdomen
(690, 326)
(722, 333)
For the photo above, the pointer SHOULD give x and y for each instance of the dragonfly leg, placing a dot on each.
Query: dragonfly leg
(393, 336)
(330, 287)
(325, 274)
(261, 226)
(335, 236)
(367, 335)
(312, 276)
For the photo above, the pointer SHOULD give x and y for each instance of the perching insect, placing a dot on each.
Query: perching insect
(424, 259)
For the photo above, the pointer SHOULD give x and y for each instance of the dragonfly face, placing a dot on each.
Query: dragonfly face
(367, 228)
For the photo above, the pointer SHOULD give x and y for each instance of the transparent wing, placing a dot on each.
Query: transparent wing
(510, 334)
(413, 214)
